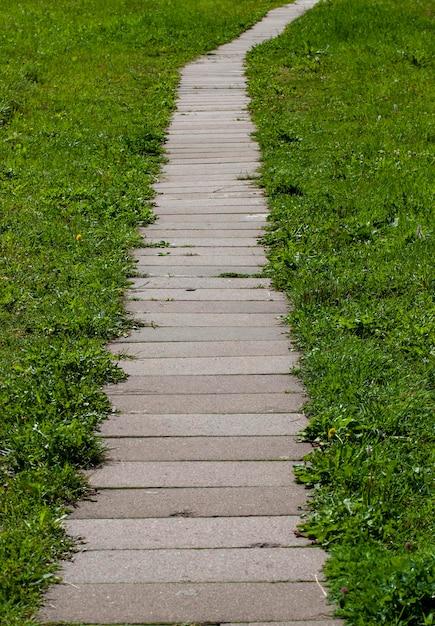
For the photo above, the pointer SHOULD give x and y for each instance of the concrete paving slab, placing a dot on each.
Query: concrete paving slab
(214, 242)
(184, 602)
(203, 384)
(184, 533)
(198, 348)
(210, 404)
(194, 425)
(205, 448)
(277, 307)
(205, 187)
(211, 179)
(253, 221)
(208, 319)
(191, 502)
(251, 252)
(233, 115)
(204, 101)
(198, 565)
(202, 271)
(197, 194)
(146, 474)
(191, 236)
(257, 215)
(197, 282)
(223, 295)
(198, 138)
(205, 225)
(229, 366)
(202, 333)
(197, 207)
(207, 169)
(182, 155)
(191, 96)
(221, 283)
(196, 260)
(195, 162)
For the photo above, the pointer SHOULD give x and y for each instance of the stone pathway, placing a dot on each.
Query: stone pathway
(196, 511)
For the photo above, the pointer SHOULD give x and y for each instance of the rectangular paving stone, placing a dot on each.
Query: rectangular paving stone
(226, 282)
(144, 474)
(194, 235)
(221, 116)
(239, 114)
(278, 307)
(217, 219)
(157, 384)
(204, 271)
(187, 502)
(241, 192)
(205, 98)
(213, 242)
(213, 270)
(201, 260)
(213, 210)
(209, 187)
(202, 333)
(193, 425)
(208, 319)
(184, 602)
(251, 252)
(209, 95)
(202, 102)
(205, 183)
(186, 206)
(198, 138)
(209, 404)
(200, 226)
(204, 448)
(209, 366)
(198, 348)
(193, 157)
(201, 294)
(242, 127)
(258, 293)
(182, 533)
(206, 169)
(196, 566)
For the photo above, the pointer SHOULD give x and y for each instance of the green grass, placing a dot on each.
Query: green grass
(86, 91)
(344, 103)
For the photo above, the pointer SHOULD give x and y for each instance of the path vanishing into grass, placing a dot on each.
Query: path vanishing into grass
(196, 510)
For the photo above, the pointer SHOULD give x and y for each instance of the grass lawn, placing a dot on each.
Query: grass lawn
(344, 103)
(86, 91)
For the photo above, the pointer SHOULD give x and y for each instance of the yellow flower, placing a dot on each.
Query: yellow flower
(331, 432)
(78, 237)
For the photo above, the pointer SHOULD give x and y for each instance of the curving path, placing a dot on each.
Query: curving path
(196, 511)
